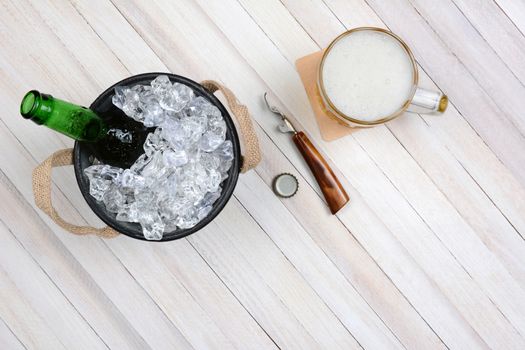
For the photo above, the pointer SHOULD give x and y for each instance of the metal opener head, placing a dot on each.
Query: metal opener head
(285, 125)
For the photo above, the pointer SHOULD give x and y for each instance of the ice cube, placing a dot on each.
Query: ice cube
(209, 160)
(152, 225)
(201, 107)
(225, 151)
(174, 159)
(102, 171)
(214, 180)
(210, 198)
(97, 187)
(155, 168)
(131, 180)
(145, 199)
(203, 212)
(160, 84)
(113, 199)
(154, 142)
(225, 154)
(123, 136)
(175, 134)
(119, 98)
(140, 163)
(129, 213)
(176, 97)
(129, 101)
(210, 141)
(185, 222)
(176, 182)
(153, 114)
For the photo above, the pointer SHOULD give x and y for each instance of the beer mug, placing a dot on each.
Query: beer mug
(368, 76)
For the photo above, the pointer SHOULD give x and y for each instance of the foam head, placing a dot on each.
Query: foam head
(368, 75)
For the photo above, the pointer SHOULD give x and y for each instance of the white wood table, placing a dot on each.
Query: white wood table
(430, 253)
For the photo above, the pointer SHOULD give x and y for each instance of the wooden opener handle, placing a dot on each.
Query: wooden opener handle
(333, 192)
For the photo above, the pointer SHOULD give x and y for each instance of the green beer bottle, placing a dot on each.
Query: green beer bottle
(77, 122)
(112, 137)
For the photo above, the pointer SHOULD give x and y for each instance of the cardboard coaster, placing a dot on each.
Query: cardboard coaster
(331, 129)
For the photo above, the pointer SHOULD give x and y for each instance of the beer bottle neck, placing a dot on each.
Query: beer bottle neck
(37, 107)
(75, 121)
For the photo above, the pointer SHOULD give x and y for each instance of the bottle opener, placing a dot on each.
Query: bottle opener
(334, 193)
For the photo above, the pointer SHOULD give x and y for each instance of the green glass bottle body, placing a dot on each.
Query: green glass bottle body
(77, 122)
(108, 134)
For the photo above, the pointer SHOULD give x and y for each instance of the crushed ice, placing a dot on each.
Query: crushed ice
(174, 184)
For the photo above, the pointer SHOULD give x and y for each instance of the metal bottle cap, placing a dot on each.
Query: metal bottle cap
(285, 185)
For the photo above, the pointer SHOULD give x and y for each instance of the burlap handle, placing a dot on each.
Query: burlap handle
(42, 193)
(42, 173)
(252, 152)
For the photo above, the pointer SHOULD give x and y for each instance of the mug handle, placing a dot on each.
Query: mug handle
(427, 101)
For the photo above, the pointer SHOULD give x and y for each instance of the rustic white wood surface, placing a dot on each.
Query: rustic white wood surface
(429, 254)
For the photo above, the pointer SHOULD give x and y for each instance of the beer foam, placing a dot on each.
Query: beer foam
(368, 75)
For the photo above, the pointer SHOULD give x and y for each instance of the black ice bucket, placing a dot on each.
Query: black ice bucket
(82, 158)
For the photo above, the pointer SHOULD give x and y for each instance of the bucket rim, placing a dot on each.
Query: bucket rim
(133, 230)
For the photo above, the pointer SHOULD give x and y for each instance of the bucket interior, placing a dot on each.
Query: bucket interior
(82, 158)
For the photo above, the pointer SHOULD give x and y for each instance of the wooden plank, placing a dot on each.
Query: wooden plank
(501, 134)
(55, 310)
(171, 295)
(498, 31)
(211, 333)
(503, 244)
(267, 273)
(471, 201)
(462, 141)
(515, 10)
(106, 307)
(284, 326)
(500, 236)
(428, 250)
(313, 303)
(258, 13)
(278, 270)
(428, 156)
(225, 325)
(207, 288)
(8, 339)
(468, 151)
(119, 36)
(160, 19)
(447, 224)
(265, 71)
(22, 319)
(423, 291)
(269, 180)
(349, 256)
(491, 73)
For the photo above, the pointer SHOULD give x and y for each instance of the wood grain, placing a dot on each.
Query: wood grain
(427, 255)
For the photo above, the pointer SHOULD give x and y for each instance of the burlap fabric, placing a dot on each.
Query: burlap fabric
(252, 152)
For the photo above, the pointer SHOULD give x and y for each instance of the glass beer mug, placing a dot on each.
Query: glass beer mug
(368, 76)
